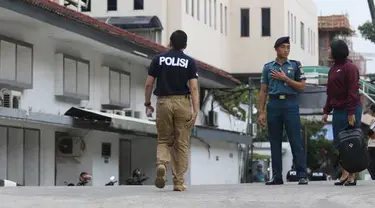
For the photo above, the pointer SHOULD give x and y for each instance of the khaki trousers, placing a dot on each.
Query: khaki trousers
(172, 113)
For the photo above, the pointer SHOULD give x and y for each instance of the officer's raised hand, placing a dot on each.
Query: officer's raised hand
(279, 75)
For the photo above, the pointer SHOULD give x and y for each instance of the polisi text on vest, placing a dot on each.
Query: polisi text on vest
(173, 61)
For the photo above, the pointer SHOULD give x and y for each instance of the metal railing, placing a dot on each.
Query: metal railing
(367, 89)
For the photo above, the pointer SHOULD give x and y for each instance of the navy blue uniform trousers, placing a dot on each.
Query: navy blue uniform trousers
(280, 114)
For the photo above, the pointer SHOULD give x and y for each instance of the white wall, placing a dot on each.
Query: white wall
(125, 8)
(206, 169)
(306, 12)
(228, 50)
(249, 54)
(224, 119)
(207, 42)
(67, 169)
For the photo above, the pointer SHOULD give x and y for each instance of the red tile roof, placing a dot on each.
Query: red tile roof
(114, 31)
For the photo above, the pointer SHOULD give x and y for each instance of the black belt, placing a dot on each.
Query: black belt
(282, 96)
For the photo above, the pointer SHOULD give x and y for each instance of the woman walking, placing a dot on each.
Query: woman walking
(342, 98)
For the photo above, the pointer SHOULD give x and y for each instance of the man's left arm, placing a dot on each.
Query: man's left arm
(300, 80)
(153, 72)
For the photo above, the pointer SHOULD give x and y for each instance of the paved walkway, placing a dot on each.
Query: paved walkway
(315, 195)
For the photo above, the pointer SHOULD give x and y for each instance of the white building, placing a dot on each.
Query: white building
(235, 35)
(53, 61)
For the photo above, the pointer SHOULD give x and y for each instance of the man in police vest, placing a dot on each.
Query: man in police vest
(281, 80)
(176, 83)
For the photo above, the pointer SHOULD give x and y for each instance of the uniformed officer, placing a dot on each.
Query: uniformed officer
(177, 79)
(281, 80)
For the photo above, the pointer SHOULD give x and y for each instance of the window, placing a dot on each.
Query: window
(88, 8)
(295, 30)
(111, 5)
(221, 18)
(138, 4)
(245, 22)
(192, 7)
(302, 35)
(210, 12)
(215, 16)
(291, 27)
(308, 40)
(20, 159)
(198, 9)
(119, 88)
(313, 43)
(289, 32)
(205, 12)
(76, 81)
(16, 63)
(187, 6)
(153, 35)
(225, 20)
(266, 22)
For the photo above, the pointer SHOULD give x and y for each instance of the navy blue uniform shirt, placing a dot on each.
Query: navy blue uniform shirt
(292, 68)
(172, 71)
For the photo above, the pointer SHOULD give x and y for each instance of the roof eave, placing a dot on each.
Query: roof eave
(128, 44)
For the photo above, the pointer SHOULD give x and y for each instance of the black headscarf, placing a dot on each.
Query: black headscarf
(339, 50)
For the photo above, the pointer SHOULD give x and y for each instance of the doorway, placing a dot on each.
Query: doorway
(124, 161)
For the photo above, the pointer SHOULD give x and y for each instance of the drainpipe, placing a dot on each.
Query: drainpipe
(249, 148)
(372, 10)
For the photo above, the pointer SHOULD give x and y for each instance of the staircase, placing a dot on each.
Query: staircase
(319, 74)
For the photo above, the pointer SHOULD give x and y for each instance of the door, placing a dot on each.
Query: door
(125, 161)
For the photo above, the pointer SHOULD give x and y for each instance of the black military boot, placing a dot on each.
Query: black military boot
(275, 181)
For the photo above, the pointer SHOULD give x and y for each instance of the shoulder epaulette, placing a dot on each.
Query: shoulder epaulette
(265, 65)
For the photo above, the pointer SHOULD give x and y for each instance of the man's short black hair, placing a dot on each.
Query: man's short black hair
(178, 40)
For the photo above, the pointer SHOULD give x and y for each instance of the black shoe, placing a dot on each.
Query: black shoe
(303, 181)
(341, 182)
(275, 182)
(350, 183)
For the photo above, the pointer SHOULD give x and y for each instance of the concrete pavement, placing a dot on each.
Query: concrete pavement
(315, 195)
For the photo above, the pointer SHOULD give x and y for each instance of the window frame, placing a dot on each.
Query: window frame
(244, 31)
(302, 31)
(112, 8)
(263, 34)
(76, 95)
(119, 103)
(14, 83)
(141, 2)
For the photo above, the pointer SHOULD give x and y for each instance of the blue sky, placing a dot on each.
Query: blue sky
(358, 13)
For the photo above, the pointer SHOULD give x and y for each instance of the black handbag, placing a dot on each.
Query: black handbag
(353, 153)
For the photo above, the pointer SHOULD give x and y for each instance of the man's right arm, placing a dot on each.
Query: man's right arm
(263, 90)
(193, 86)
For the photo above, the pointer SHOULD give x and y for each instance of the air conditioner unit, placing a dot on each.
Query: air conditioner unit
(82, 3)
(68, 146)
(10, 98)
(107, 111)
(129, 113)
(212, 118)
(137, 114)
(119, 112)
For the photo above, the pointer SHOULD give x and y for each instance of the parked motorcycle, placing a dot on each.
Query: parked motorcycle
(84, 178)
(111, 181)
(138, 178)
